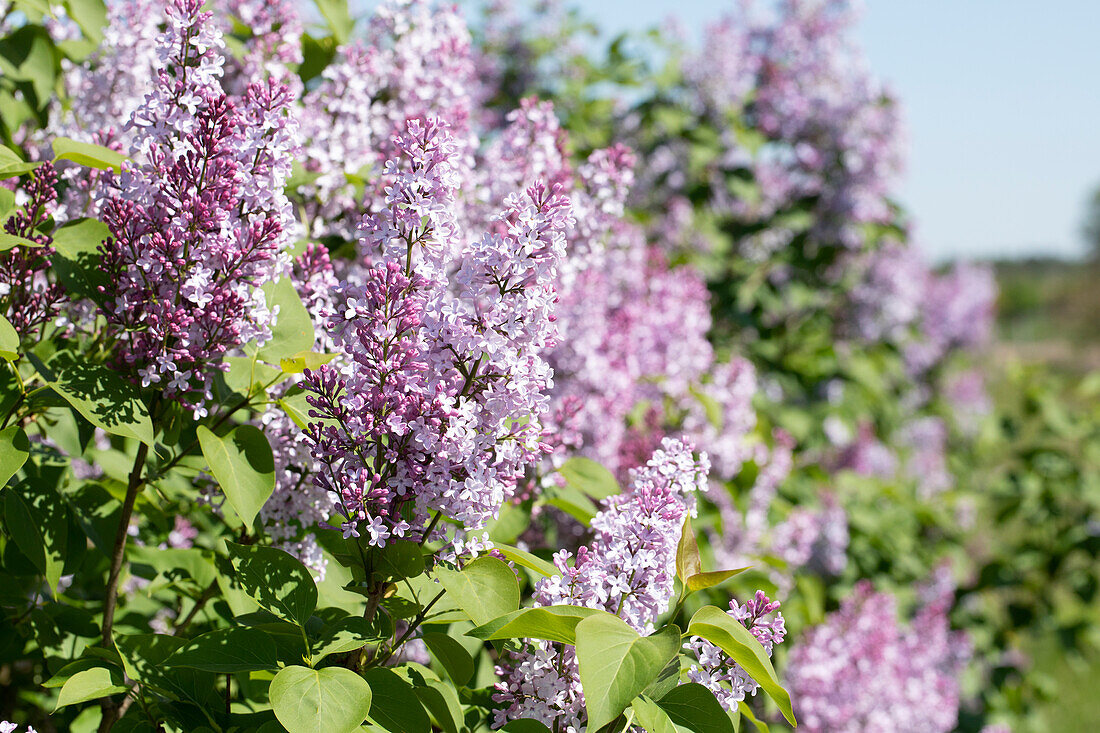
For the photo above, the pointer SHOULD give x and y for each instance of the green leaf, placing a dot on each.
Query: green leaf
(689, 566)
(334, 699)
(746, 712)
(552, 623)
(616, 664)
(526, 725)
(395, 706)
(77, 257)
(589, 477)
(573, 502)
(227, 650)
(452, 655)
(90, 15)
(303, 360)
(12, 165)
(10, 241)
(694, 708)
(14, 449)
(242, 462)
(293, 331)
(648, 715)
(397, 560)
(350, 633)
(143, 657)
(484, 589)
(276, 580)
(246, 374)
(527, 560)
(9, 340)
(38, 521)
(335, 13)
(719, 628)
(104, 398)
(442, 703)
(87, 154)
(90, 684)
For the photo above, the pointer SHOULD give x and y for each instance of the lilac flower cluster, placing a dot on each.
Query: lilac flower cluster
(957, 313)
(814, 539)
(201, 222)
(439, 408)
(416, 62)
(863, 670)
(728, 680)
(627, 569)
(27, 298)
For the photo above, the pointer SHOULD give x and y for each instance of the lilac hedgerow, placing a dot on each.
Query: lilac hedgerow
(272, 47)
(199, 221)
(957, 313)
(627, 569)
(862, 669)
(439, 407)
(966, 392)
(866, 455)
(814, 539)
(729, 682)
(27, 298)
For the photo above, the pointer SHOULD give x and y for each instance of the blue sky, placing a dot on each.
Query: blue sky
(1002, 102)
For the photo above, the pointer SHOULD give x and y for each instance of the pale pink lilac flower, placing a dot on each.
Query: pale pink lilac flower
(627, 569)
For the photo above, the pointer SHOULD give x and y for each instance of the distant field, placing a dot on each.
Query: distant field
(1049, 312)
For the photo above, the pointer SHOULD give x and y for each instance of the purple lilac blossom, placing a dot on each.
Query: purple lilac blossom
(627, 569)
(729, 682)
(814, 539)
(439, 409)
(201, 223)
(27, 298)
(862, 669)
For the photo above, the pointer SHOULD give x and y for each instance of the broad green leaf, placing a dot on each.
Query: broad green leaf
(397, 560)
(90, 15)
(719, 628)
(104, 398)
(38, 521)
(334, 699)
(335, 13)
(303, 360)
(244, 466)
(689, 566)
(395, 706)
(353, 632)
(746, 712)
(246, 374)
(616, 664)
(77, 257)
(276, 580)
(144, 656)
(485, 589)
(648, 715)
(87, 154)
(452, 655)
(589, 477)
(552, 623)
(27, 55)
(442, 703)
(297, 408)
(694, 708)
(227, 650)
(12, 165)
(527, 560)
(666, 680)
(573, 502)
(525, 725)
(10, 241)
(293, 331)
(14, 449)
(90, 684)
(9, 340)
(7, 198)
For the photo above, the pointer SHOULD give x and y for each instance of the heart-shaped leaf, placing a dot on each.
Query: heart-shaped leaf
(333, 699)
